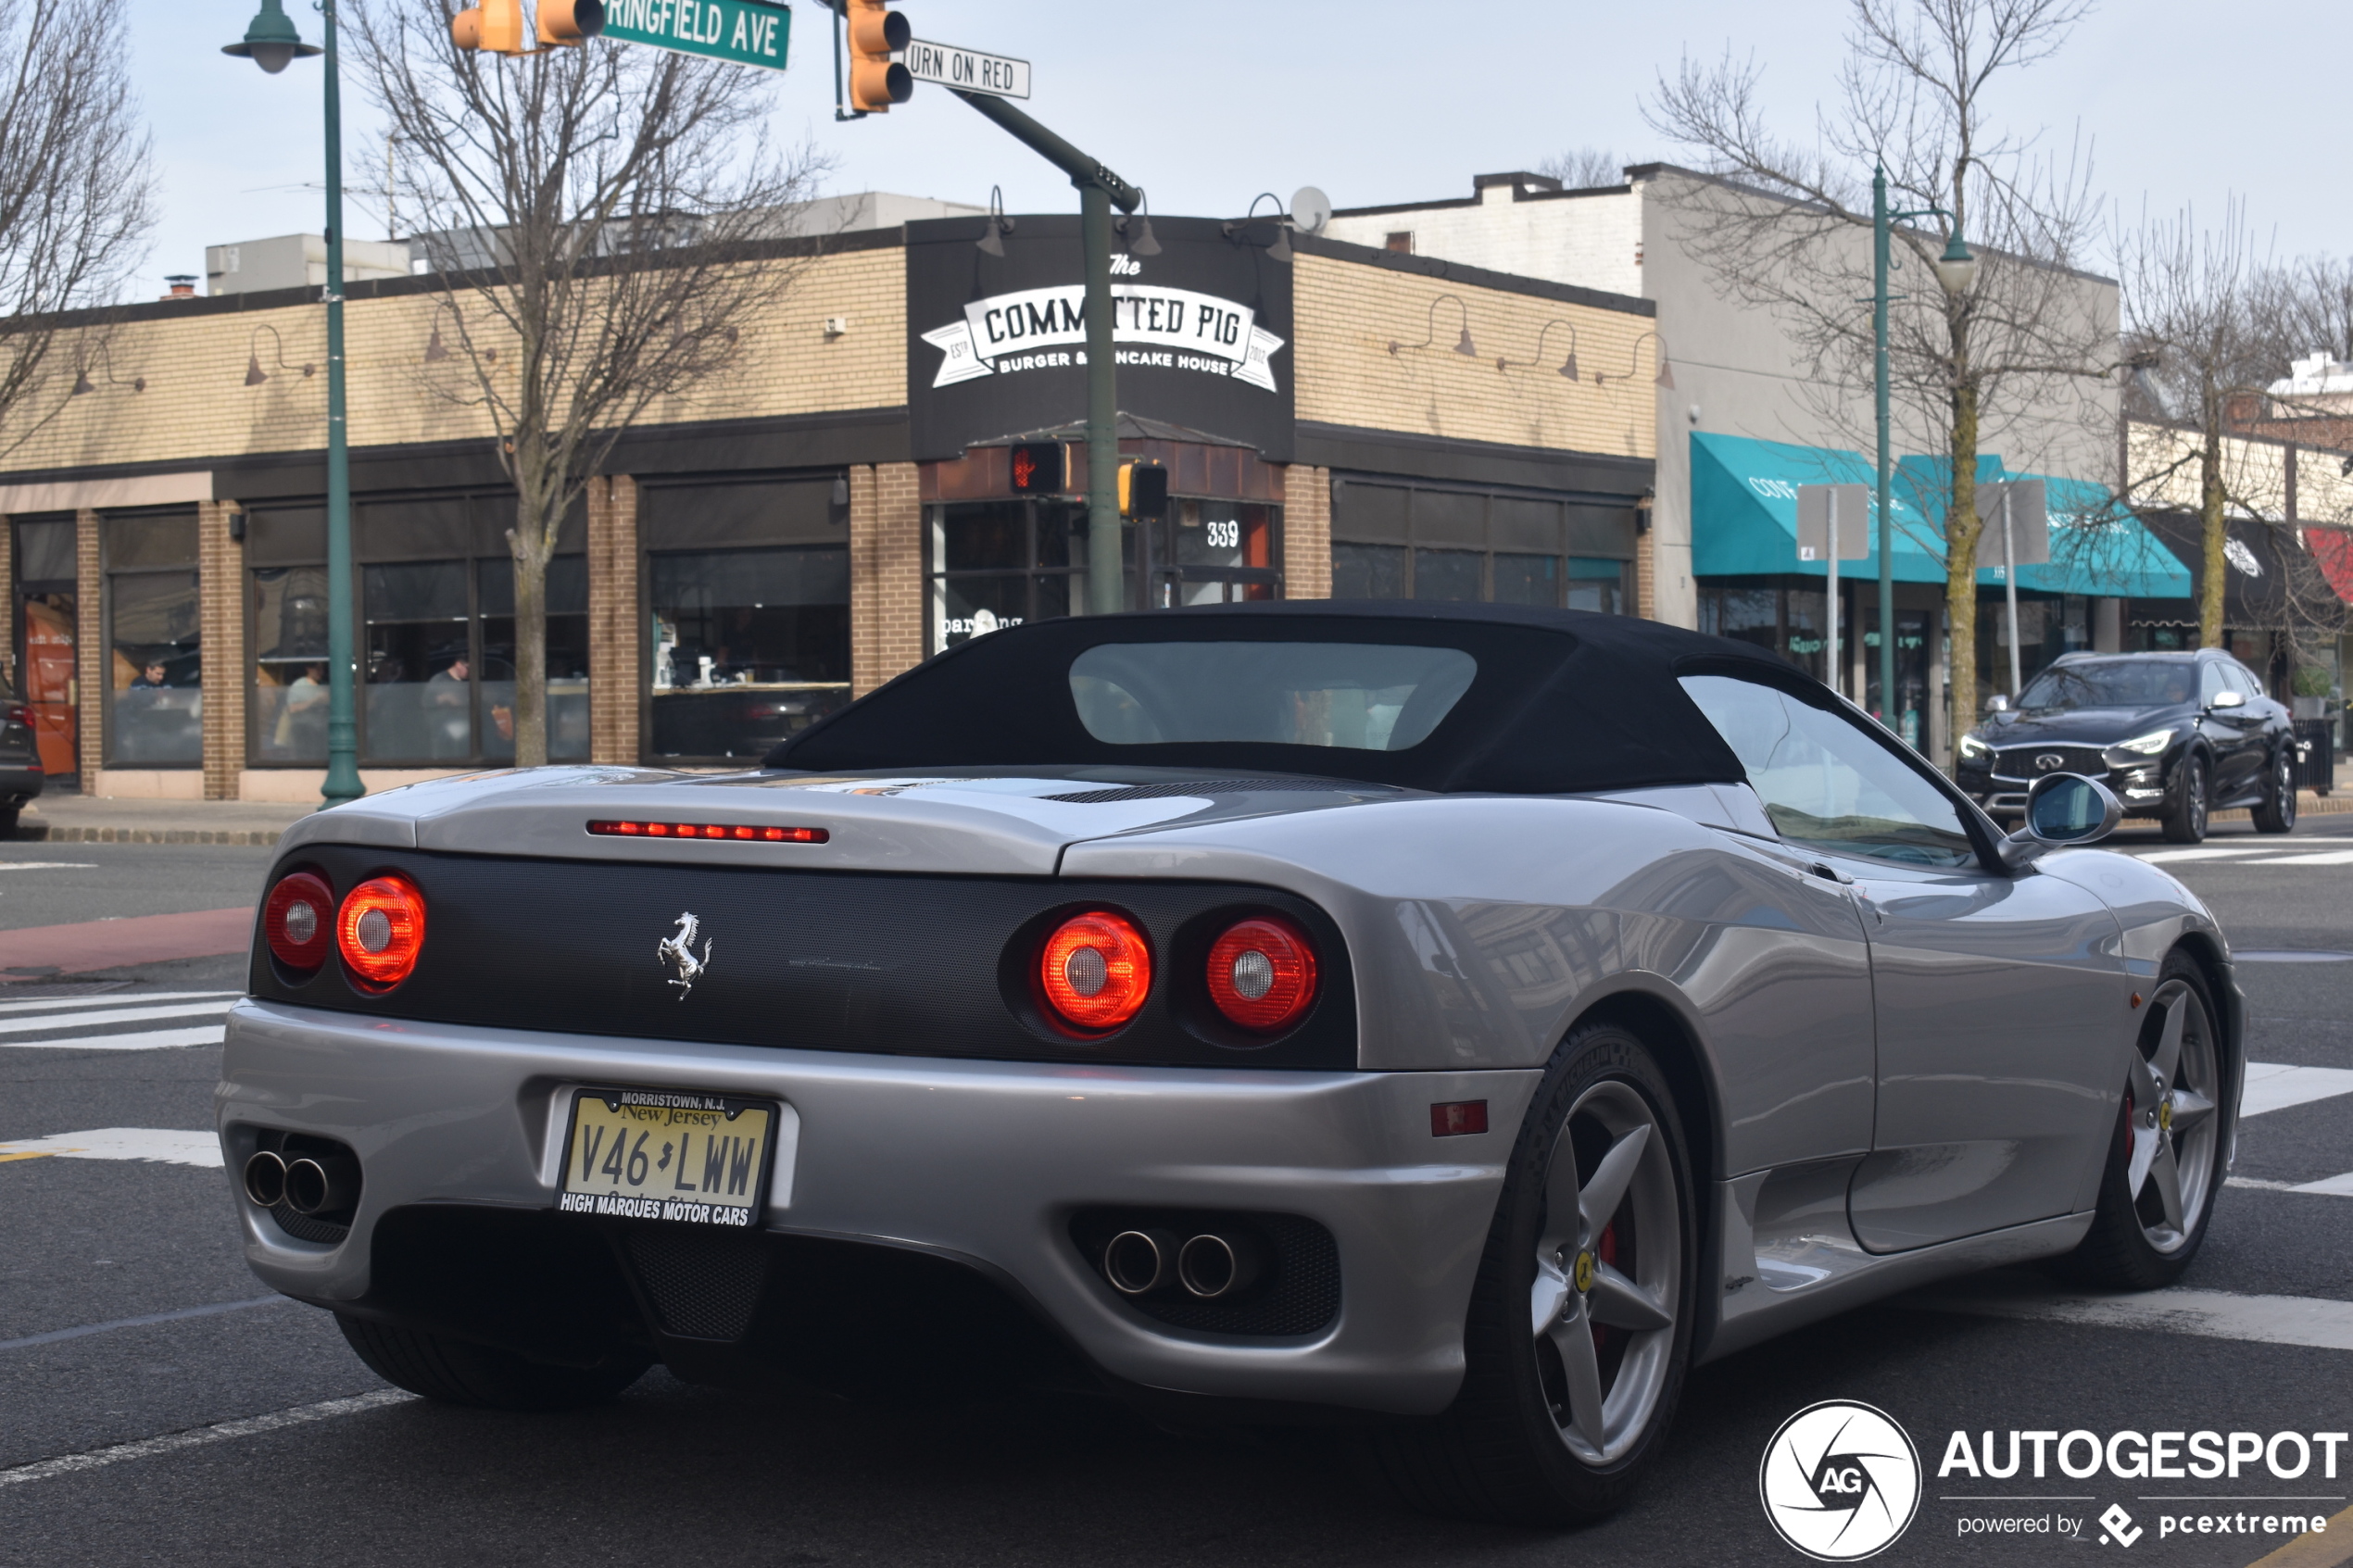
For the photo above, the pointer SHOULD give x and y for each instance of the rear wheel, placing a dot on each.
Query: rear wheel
(2185, 815)
(1579, 1327)
(2276, 811)
(9, 823)
(452, 1372)
(2164, 1160)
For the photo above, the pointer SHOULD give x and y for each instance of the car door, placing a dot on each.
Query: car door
(2000, 999)
(2252, 725)
(2226, 730)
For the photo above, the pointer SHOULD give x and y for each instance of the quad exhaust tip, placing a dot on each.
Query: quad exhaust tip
(1208, 1266)
(321, 1184)
(266, 1179)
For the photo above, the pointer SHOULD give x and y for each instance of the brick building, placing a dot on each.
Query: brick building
(827, 513)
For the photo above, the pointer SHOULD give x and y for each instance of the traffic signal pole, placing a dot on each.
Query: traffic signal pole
(1098, 191)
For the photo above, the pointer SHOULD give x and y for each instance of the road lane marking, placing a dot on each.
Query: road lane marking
(118, 1015)
(159, 1144)
(2213, 1315)
(2324, 857)
(49, 865)
(2326, 1547)
(175, 1315)
(120, 999)
(2211, 852)
(157, 1040)
(2272, 1086)
(220, 1432)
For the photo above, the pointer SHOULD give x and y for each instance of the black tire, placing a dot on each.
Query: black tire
(2117, 1253)
(1499, 1451)
(2276, 811)
(2185, 818)
(452, 1372)
(9, 823)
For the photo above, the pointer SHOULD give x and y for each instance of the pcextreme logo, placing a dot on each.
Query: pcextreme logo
(1840, 1481)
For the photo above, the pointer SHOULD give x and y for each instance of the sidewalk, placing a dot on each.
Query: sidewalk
(84, 819)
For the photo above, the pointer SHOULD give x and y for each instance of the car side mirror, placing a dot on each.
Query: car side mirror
(2228, 699)
(1997, 703)
(2062, 809)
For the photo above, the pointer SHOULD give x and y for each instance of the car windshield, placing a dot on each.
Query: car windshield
(1367, 697)
(2111, 682)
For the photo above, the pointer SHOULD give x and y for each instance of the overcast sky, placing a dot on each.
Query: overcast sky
(1209, 102)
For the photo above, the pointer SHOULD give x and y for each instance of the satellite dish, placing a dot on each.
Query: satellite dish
(1310, 210)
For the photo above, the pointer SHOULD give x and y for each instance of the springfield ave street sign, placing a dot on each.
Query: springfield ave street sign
(967, 68)
(746, 31)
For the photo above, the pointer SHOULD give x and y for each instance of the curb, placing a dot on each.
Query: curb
(45, 832)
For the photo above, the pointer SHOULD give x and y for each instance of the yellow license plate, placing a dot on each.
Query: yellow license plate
(668, 1154)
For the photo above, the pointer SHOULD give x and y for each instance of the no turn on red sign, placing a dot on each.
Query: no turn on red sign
(968, 69)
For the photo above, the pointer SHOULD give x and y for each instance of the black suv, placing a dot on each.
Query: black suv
(2176, 735)
(21, 775)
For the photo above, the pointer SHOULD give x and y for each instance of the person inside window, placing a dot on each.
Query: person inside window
(152, 678)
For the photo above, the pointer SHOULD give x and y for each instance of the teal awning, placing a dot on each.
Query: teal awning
(1745, 522)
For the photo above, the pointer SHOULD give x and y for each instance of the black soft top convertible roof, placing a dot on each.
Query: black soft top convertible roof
(1564, 701)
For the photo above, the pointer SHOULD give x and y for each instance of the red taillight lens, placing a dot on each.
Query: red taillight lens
(297, 919)
(1262, 973)
(380, 929)
(755, 833)
(1095, 971)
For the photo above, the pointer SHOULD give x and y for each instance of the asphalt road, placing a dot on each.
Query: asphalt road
(678, 1473)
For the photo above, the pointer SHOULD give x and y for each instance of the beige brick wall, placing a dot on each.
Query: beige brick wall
(196, 403)
(616, 639)
(886, 575)
(1307, 533)
(8, 608)
(1646, 572)
(220, 617)
(1346, 314)
(89, 648)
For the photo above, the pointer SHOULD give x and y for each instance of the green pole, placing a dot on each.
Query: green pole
(1889, 713)
(1106, 587)
(343, 764)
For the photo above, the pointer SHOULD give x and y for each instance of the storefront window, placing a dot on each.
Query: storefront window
(1000, 563)
(1402, 542)
(418, 662)
(567, 659)
(1791, 622)
(47, 596)
(155, 665)
(1212, 552)
(749, 646)
(289, 699)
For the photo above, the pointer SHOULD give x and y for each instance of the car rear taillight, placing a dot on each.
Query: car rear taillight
(296, 920)
(19, 714)
(1262, 973)
(380, 929)
(1095, 971)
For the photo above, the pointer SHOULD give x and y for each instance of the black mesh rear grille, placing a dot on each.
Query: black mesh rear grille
(702, 1287)
(1297, 1294)
(1213, 786)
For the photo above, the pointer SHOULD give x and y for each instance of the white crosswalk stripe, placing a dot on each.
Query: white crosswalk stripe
(104, 1023)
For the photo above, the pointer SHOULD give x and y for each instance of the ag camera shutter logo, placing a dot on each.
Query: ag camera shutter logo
(1841, 1481)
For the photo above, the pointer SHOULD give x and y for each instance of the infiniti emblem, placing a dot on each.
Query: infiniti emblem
(2049, 762)
(677, 950)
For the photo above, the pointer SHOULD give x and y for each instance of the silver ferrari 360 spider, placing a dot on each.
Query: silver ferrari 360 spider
(1459, 1018)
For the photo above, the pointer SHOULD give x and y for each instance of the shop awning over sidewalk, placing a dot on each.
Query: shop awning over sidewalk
(1745, 522)
(2272, 581)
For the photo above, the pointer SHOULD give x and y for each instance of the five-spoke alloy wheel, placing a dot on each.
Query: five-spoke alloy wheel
(1580, 1323)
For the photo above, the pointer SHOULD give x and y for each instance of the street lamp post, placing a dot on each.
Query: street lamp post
(271, 42)
(1955, 271)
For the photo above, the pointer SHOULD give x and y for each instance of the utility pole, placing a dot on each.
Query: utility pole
(1098, 191)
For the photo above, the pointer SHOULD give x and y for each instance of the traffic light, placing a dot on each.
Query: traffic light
(876, 33)
(495, 25)
(1038, 469)
(1143, 491)
(570, 21)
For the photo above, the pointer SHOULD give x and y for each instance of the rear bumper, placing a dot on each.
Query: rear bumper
(980, 1162)
(25, 782)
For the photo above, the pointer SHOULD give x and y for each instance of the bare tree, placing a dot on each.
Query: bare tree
(606, 224)
(76, 193)
(2196, 332)
(1785, 225)
(2313, 306)
(1585, 168)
